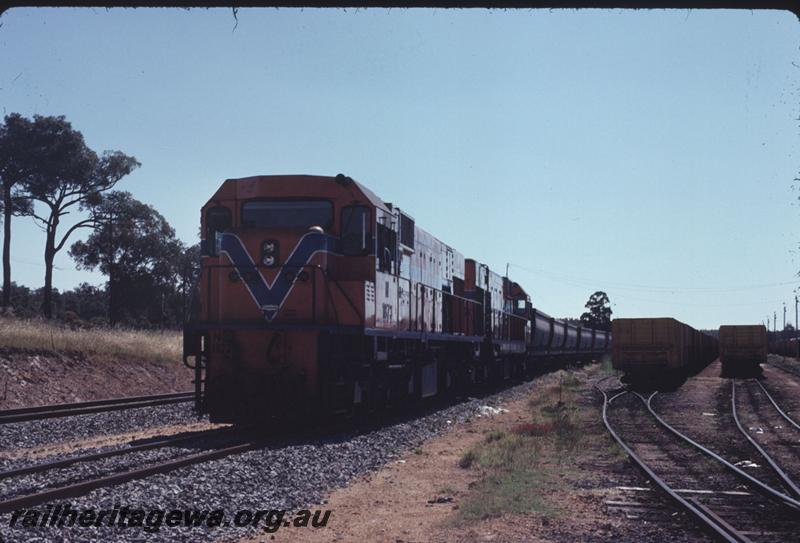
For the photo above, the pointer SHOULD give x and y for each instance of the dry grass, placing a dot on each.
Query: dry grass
(100, 343)
(533, 428)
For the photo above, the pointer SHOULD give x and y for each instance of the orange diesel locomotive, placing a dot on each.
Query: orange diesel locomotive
(316, 297)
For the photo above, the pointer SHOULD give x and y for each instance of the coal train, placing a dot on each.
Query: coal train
(317, 297)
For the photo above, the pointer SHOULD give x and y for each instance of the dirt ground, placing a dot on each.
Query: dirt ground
(30, 379)
(422, 497)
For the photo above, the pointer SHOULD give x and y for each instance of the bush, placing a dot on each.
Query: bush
(467, 460)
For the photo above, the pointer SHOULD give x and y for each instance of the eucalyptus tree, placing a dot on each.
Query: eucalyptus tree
(66, 176)
(135, 246)
(599, 312)
(16, 158)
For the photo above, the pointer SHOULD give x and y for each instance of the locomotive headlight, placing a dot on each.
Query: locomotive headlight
(269, 252)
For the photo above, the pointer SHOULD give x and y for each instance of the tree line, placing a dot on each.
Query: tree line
(47, 171)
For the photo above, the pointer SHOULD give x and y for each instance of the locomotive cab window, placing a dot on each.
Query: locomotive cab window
(294, 214)
(218, 219)
(356, 231)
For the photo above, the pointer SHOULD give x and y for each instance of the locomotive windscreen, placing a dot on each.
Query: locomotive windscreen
(287, 213)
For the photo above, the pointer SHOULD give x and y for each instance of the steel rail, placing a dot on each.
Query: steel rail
(777, 408)
(95, 406)
(91, 403)
(768, 490)
(700, 513)
(56, 464)
(78, 489)
(790, 484)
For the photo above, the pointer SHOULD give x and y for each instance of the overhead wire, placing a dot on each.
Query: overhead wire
(650, 288)
(597, 285)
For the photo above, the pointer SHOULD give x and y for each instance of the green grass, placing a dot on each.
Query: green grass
(43, 336)
(510, 491)
(606, 366)
(570, 380)
(513, 482)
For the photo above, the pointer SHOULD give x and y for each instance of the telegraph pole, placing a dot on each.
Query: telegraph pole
(784, 315)
(774, 321)
(796, 334)
(110, 263)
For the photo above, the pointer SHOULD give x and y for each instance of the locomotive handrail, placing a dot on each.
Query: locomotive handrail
(514, 315)
(418, 284)
(500, 313)
(476, 302)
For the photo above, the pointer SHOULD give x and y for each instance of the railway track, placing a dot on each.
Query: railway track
(242, 443)
(782, 413)
(774, 434)
(727, 502)
(95, 406)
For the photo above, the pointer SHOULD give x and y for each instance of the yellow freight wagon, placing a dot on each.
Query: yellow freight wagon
(742, 347)
(650, 345)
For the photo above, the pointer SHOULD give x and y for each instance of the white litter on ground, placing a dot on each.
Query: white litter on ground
(746, 464)
(489, 411)
(709, 414)
(757, 430)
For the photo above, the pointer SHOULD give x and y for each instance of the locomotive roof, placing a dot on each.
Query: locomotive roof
(224, 190)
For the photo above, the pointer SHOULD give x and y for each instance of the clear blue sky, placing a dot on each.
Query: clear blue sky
(651, 154)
